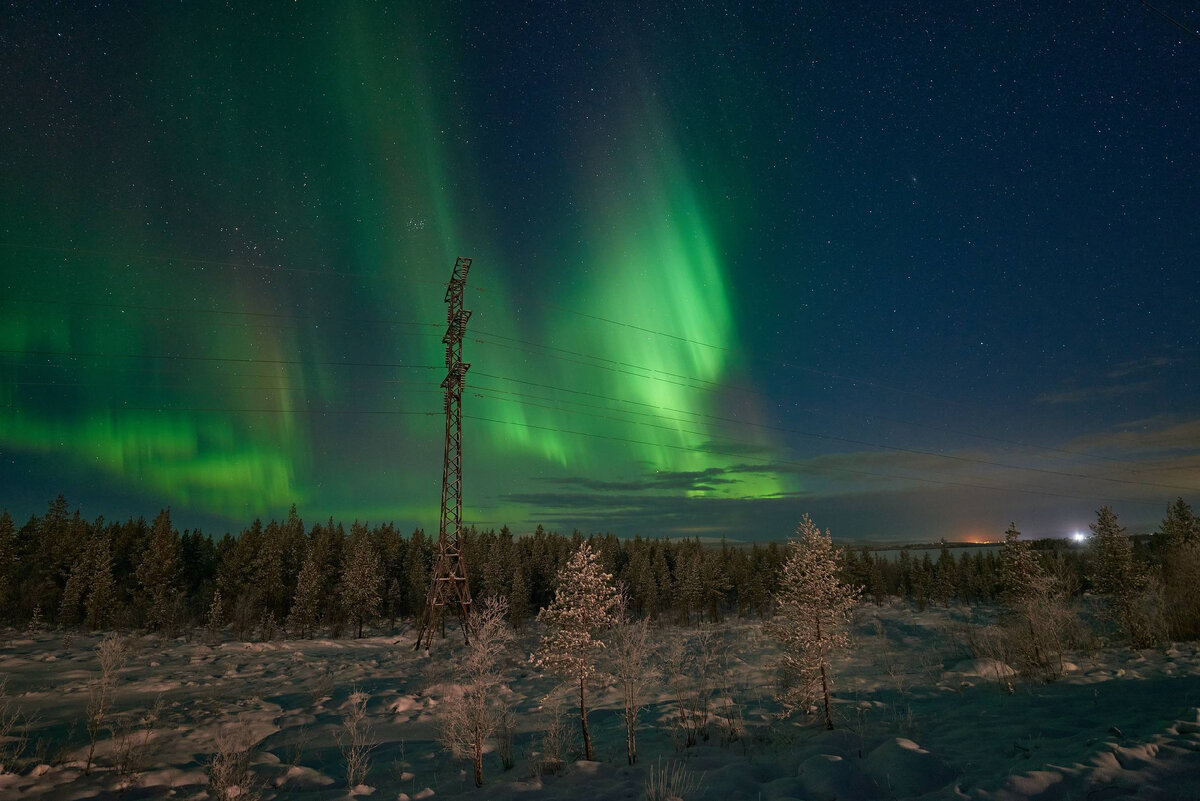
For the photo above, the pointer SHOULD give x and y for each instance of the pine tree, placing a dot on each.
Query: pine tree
(158, 575)
(585, 605)
(1117, 577)
(361, 577)
(813, 612)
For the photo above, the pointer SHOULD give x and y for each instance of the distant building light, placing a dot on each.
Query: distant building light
(1079, 536)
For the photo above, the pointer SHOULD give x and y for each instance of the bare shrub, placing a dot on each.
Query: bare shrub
(670, 781)
(228, 770)
(14, 730)
(111, 654)
(558, 740)
(994, 643)
(357, 739)
(506, 729)
(891, 664)
(133, 739)
(632, 652)
(322, 685)
(689, 663)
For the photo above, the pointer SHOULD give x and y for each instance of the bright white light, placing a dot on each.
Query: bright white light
(1079, 536)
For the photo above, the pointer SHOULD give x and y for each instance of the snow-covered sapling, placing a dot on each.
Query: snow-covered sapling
(584, 607)
(468, 723)
(813, 614)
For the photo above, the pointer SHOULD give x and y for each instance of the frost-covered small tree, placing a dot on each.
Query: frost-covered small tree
(632, 653)
(158, 575)
(584, 607)
(1118, 578)
(362, 576)
(468, 723)
(813, 609)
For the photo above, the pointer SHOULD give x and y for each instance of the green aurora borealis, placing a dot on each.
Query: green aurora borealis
(916, 271)
(334, 154)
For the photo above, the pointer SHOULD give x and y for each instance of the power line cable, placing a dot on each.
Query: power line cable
(714, 385)
(236, 360)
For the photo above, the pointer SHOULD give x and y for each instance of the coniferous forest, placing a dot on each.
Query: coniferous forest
(288, 579)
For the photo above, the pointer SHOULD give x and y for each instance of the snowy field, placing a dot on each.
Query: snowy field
(917, 717)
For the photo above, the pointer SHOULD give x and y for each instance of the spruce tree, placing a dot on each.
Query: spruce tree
(361, 577)
(585, 606)
(518, 608)
(417, 560)
(158, 575)
(8, 561)
(90, 591)
(102, 591)
(1180, 555)
(1117, 577)
(307, 603)
(1180, 527)
(813, 614)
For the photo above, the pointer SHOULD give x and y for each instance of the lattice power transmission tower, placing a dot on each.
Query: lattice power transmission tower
(448, 584)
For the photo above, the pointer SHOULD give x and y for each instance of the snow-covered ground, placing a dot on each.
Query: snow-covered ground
(917, 717)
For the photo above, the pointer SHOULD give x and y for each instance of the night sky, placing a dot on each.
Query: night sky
(918, 269)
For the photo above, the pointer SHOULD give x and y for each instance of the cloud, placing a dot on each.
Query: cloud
(1140, 438)
(1089, 394)
(701, 480)
(1141, 365)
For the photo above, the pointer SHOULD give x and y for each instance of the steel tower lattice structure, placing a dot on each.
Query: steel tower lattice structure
(448, 582)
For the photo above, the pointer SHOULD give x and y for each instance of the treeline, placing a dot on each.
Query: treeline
(281, 578)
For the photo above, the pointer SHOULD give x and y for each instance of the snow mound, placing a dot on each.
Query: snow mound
(984, 668)
(826, 777)
(904, 768)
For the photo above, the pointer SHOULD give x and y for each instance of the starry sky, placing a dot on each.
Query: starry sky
(918, 269)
